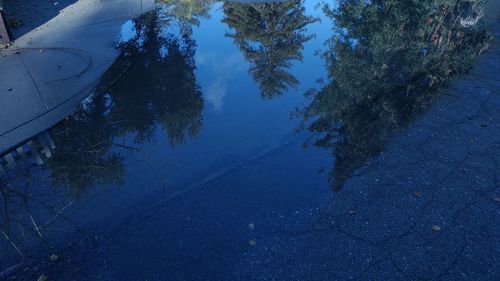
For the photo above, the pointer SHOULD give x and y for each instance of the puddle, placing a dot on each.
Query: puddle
(209, 103)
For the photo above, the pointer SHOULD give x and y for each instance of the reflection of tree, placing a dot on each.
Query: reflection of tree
(83, 157)
(187, 12)
(159, 91)
(271, 36)
(29, 217)
(384, 62)
(161, 88)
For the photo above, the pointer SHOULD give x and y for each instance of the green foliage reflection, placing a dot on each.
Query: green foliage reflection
(271, 36)
(384, 63)
(157, 91)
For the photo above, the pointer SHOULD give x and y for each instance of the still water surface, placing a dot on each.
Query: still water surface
(223, 124)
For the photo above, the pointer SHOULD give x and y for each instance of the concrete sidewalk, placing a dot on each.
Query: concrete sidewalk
(50, 70)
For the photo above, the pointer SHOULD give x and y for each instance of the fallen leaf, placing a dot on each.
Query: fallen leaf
(43, 277)
(252, 242)
(436, 228)
(53, 257)
(418, 194)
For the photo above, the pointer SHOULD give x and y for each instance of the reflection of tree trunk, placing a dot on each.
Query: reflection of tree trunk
(5, 35)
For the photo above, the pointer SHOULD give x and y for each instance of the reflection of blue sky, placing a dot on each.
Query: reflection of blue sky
(219, 62)
(238, 125)
(222, 67)
(168, 29)
(129, 32)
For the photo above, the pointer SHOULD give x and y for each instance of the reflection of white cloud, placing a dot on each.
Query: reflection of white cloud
(204, 59)
(216, 93)
(224, 69)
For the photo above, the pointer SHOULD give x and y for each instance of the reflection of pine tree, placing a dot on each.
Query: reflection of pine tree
(158, 91)
(271, 36)
(186, 12)
(169, 94)
(183, 102)
(384, 63)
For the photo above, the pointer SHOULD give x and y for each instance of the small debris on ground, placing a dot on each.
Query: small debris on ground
(351, 212)
(436, 228)
(15, 23)
(252, 242)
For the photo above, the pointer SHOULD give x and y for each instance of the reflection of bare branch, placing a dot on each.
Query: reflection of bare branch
(35, 225)
(26, 218)
(20, 227)
(147, 158)
(11, 268)
(12, 243)
(59, 213)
